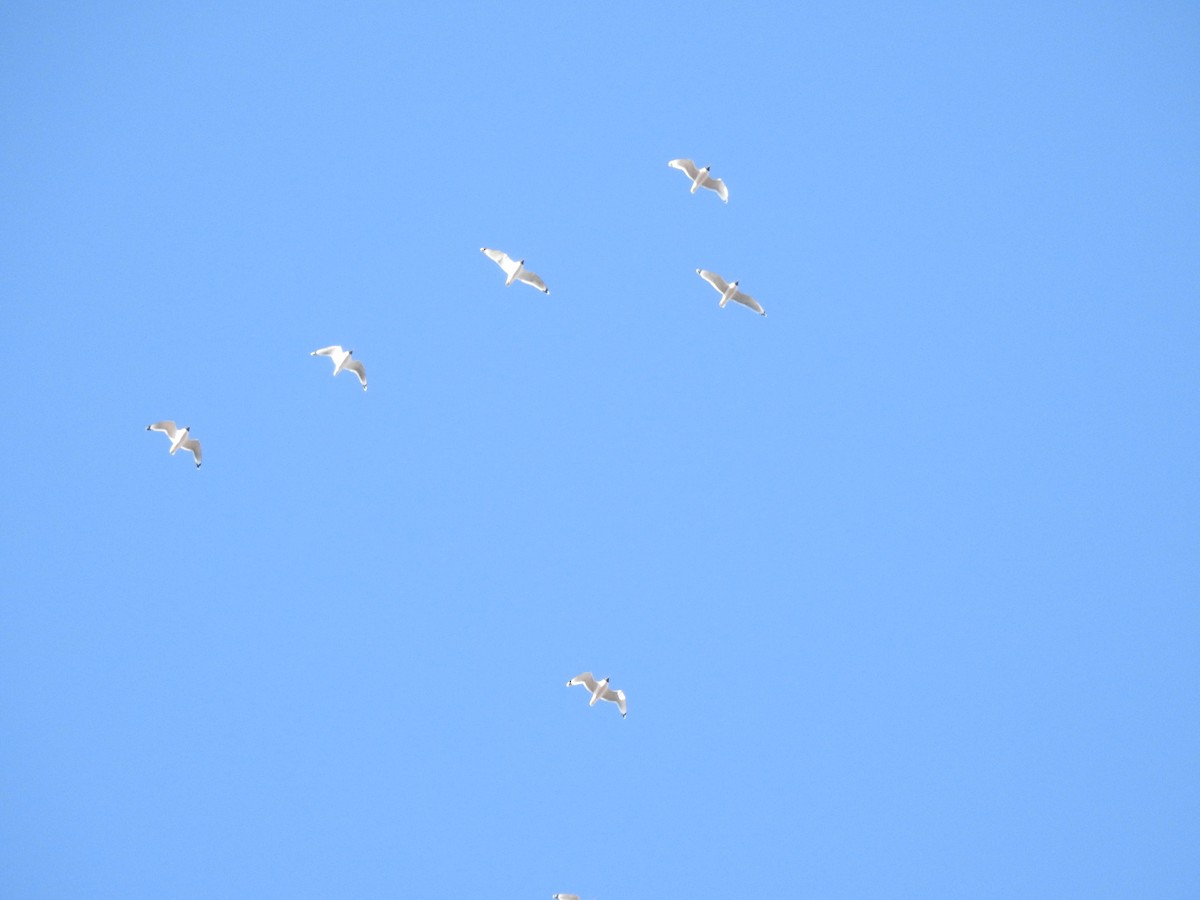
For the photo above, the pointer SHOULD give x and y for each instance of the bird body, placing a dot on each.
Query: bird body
(514, 269)
(701, 177)
(343, 361)
(730, 291)
(180, 438)
(599, 690)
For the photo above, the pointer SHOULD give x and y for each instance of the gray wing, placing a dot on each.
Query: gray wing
(747, 300)
(717, 185)
(532, 279)
(194, 446)
(686, 165)
(357, 368)
(585, 679)
(714, 279)
(617, 697)
(167, 427)
(327, 351)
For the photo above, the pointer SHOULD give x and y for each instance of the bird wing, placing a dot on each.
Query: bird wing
(502, 259)
(565, 897)
(617, 697)
(357, 368)
(194, 446)
(717, 185)
(532, 278)
(747, 300)
(327, 351)
(167, 427)
(714, 279)
(585, 679)
(686, 165)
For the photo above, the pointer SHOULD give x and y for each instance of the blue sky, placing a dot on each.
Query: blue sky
(901, 581)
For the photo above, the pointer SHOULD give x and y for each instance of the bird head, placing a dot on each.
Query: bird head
(522, 262)
(736, 283)
(187, 427)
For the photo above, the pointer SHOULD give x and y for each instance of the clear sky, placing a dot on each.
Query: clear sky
(901, 581)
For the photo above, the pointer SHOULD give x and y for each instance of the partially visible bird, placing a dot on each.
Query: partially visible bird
(179, 438)
(514, 269)
(701, 178)
(564, 897)
(729, 291)
(600, 691)
(342, 361)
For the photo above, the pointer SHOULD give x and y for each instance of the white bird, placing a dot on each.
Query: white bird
(729, 291)
(178, 438)
(564, 897)
(342, 361)
(701, 178)
(600, 691)
(514, 269)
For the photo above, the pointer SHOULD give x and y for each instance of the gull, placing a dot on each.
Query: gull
(178, 438)
(342, 362)
(701, 178)
(600, 691)
(515, 270)
(729, 291)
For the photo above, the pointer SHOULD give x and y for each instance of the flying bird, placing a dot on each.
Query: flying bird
(514, 269)
(600, 691)
(701, 178)
(729, 291)
(342, 362)
(179, 438)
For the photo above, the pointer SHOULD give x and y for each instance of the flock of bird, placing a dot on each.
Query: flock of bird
(514, 270)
